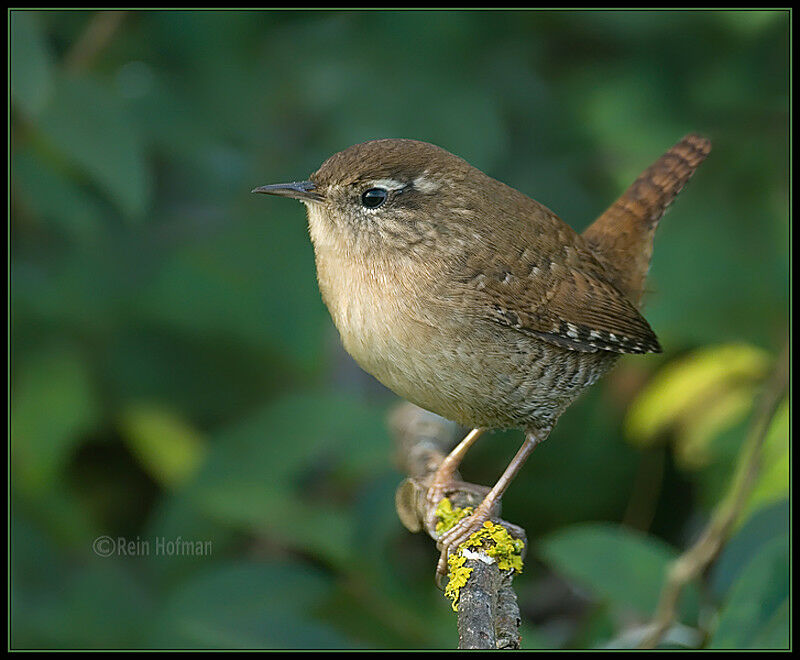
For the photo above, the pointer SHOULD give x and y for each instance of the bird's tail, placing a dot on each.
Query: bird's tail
(622, 238)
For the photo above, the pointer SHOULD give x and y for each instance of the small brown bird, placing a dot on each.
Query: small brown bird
(472, 300)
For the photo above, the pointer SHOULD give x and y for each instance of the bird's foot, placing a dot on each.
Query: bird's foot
(461, 494)
(449, 542)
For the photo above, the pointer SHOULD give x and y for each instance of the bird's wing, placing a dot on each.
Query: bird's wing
(565, 299)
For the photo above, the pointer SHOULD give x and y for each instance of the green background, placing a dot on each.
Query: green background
(174, 372)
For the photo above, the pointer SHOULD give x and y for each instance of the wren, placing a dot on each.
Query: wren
(474, 301)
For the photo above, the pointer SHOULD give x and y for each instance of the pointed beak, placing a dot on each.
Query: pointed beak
(305, 191)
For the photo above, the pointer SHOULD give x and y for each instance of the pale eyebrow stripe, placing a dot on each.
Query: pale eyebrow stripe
(389, 184)
(421, 183)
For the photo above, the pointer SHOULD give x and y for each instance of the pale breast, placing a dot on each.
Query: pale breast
(377, 315)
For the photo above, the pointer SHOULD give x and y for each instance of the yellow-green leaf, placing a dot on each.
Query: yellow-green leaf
(53, 404)
(696, 431)
(168, 447)
(696, 397)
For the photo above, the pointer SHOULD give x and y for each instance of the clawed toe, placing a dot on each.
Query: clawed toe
(450, 541)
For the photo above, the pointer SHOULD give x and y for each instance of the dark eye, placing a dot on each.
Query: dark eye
(374, 197)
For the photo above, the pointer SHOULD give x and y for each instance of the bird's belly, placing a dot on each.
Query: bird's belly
(517, 383)
(474, 376)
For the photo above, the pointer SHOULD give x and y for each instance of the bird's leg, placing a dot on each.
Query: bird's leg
(443, 478)
(463, 529)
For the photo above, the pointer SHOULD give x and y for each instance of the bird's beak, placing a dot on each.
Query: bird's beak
(305, 191)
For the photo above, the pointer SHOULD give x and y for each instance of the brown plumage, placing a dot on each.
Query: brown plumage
(471, 299)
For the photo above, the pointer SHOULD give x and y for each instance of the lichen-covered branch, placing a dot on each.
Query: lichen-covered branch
(482, 571)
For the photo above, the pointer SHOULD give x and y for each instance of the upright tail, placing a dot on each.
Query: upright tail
(622, 238)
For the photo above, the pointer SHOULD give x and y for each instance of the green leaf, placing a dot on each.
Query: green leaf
(54, 198)
(31, 64)
(174, 516)
(617, 565)
(774, 634)
(168, 447)
(53, 403)
(274, 470)
(90, 127)
(762, 527)
(252, 281)
(248, 606)
(95, 606)
(755, 614)
(772, 484)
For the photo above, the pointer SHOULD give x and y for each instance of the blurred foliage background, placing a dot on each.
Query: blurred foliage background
(174, 373)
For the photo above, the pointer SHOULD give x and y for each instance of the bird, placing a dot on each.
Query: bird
(474, 301)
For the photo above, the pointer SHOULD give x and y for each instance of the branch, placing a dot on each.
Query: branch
(697, 558)
(488, 614)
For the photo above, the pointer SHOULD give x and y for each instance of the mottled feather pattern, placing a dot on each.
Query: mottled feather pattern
(566, 300)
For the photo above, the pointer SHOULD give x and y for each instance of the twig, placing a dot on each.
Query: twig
(488, 614)
(695, 560)
(95, 36)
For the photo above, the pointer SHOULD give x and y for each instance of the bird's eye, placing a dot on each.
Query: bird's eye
(374, 197)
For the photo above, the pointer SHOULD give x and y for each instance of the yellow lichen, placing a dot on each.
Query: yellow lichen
(458, 575)
(503, 548)
(448, 515)
(492, 539)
